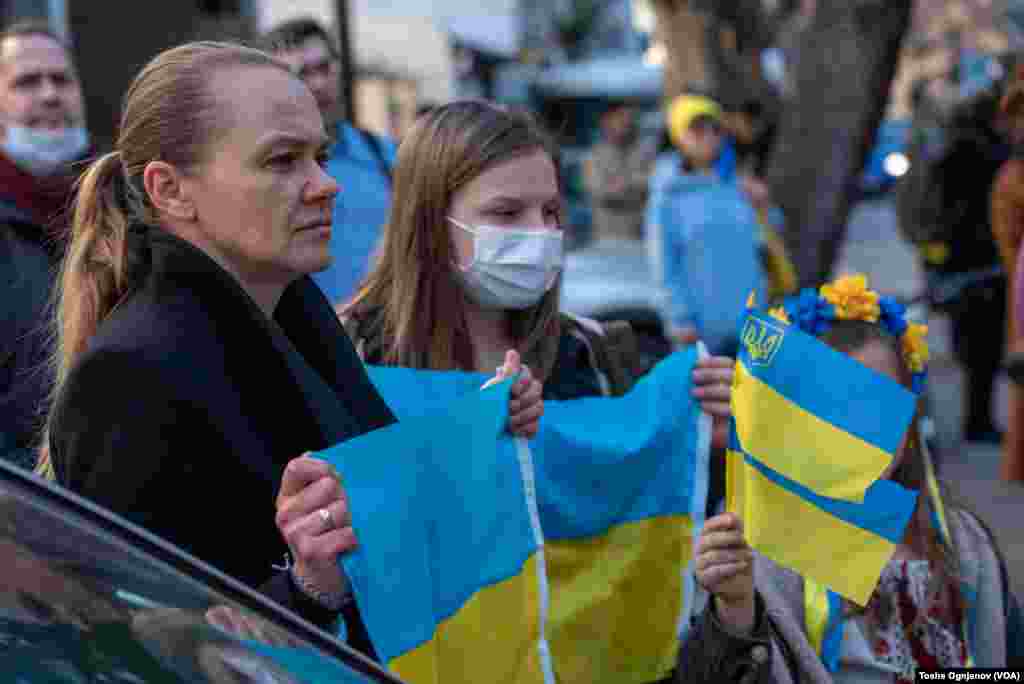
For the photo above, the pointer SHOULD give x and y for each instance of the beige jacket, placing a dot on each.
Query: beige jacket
(616, 179)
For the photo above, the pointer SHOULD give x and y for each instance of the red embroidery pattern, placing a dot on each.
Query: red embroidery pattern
(934, 641)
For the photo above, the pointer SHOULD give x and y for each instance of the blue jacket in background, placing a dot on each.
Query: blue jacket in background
(703, 239)
(360, 211)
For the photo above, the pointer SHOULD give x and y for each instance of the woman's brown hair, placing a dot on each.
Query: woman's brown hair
(169, 115)
(411, 291)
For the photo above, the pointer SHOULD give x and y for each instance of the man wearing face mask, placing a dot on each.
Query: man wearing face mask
(41, 135)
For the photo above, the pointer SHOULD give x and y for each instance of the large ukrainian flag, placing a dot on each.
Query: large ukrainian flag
(614, 489)
(812, 431)
(449, 574)
(621, 488)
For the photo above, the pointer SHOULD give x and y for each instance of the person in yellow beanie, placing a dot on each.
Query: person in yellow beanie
(703, 233)
(694, 123)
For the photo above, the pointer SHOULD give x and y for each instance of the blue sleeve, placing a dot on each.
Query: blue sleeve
(677, 276)
(665, 246)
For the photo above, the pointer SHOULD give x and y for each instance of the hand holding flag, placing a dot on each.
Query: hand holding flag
(314, 519)
(527, 404)
(712, 387)
(725, 567)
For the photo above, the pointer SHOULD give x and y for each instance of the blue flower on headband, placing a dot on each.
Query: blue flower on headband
(809, 312)
(893, 317)
(814, 314)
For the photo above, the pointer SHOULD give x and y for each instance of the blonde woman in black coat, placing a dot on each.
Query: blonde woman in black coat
(198, 360)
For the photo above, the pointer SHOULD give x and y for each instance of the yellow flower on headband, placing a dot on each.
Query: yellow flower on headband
(915, 347)
(779, 313)
(852, 299)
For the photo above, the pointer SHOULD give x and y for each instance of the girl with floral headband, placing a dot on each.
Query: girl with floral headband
(943, 599)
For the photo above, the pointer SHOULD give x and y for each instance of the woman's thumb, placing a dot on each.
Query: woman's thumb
(512, 363)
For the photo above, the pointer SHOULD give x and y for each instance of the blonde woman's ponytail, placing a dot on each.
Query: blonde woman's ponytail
(94, 274)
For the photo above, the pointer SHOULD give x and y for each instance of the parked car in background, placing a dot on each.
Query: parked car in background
(86, 596)
(611, 280)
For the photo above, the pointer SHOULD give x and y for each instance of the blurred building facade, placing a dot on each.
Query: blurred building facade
(407, 52)
(438, 48)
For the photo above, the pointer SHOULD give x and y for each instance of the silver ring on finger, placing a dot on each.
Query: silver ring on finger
(327, 517)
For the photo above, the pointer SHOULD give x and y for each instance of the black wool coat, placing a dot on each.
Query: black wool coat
(189, 402)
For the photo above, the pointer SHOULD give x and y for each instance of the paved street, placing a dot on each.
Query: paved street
(874, 246)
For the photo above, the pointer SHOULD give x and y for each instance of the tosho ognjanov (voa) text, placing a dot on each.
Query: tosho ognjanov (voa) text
(983, 674)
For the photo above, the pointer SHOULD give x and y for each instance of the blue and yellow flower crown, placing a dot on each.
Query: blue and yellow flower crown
(849, 299)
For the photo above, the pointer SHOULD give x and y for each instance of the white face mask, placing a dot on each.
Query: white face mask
(511, 268)
(42, 152)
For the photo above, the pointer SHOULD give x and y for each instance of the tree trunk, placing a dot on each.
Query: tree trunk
(846, 61)
(684, 33)
(715, 45)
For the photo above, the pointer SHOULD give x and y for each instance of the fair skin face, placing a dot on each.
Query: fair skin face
(724, 560)
(523, 192)
(702, 142)
(313, 63)
(38, 85)
(261, 205)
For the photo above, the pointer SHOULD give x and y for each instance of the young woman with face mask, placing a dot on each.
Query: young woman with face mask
(470, 264)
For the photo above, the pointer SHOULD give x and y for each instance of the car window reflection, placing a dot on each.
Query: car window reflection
(78, 604)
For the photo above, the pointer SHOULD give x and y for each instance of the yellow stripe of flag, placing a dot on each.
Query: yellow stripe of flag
(616, 600)
(793, 442)
(797, 534)
(493, 621)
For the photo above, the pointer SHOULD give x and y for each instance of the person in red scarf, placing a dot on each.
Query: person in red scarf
(41, 135)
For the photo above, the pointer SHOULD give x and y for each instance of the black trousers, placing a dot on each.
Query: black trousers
(979, 332)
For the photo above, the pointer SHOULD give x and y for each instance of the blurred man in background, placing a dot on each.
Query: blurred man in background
(42, 131)
(359, 160)
(616, 175)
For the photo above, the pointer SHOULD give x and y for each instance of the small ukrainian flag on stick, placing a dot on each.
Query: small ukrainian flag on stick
(806, 454)
(812, 432)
